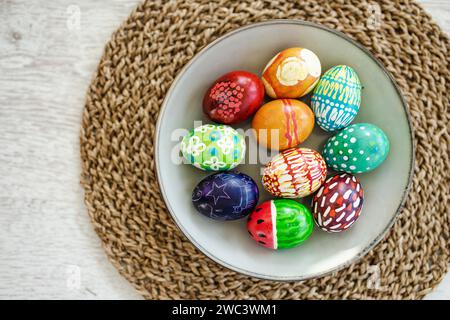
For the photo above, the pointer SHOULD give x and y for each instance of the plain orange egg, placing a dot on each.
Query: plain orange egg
(283, 123)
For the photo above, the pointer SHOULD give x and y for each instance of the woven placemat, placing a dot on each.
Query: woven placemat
(118, 128)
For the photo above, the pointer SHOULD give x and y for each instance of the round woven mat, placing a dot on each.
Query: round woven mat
(118, 128)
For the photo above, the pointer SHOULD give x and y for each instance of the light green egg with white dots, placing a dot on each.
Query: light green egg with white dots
(213, 147)
(358, 148)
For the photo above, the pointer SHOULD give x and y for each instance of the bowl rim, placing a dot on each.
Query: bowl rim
(372, 244)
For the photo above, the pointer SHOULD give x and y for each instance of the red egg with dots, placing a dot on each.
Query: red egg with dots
(338, 203)
(233, 97)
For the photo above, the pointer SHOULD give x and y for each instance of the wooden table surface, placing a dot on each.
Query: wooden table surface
(48, 53)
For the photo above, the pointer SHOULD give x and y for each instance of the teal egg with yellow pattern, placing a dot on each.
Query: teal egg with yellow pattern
(336, 98)
(359, 148)
(213, 147)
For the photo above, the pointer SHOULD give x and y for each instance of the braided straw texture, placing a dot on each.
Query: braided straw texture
(118, 129)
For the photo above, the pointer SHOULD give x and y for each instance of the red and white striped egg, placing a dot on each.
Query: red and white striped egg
(294, 173)
(338, 203)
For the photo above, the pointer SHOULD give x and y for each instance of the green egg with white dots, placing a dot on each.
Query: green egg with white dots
(358, 148)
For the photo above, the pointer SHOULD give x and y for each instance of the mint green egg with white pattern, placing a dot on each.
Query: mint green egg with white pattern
(213, 147)
(336, 98)
(359, 148)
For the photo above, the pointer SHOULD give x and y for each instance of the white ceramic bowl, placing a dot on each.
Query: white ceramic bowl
(228, 243)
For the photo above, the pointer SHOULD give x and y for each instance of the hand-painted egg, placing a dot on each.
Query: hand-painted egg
(358, 148)
(233, 97)
(282, 124)
(226, 196)
(294, 173)
(338, 203)
(292, 73)
(280, 224)
(213, 147)
(336, 98)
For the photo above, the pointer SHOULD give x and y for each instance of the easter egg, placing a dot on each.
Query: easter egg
(233, 97)
(338, 203)
(294, 173)
(213, 147)
(292, 73)
(282, 124)
(336, 98)
(226, 196)
(358, 148)
(280, 224)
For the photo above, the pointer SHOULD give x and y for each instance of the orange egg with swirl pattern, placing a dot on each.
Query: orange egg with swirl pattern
(292, 73)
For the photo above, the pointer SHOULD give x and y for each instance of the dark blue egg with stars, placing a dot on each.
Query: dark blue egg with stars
(226, 196)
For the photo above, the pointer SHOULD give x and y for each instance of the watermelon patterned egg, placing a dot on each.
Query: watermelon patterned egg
(358, 148)
(280, 224)
(292, 73)
(336, 98)
(294, 173)
(213, 147)
(226, 196)
(338, 203)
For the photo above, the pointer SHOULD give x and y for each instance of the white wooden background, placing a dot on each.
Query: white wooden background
(48, 53)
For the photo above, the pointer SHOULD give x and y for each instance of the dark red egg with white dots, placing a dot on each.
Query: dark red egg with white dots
(233, 97)
(338, 203)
